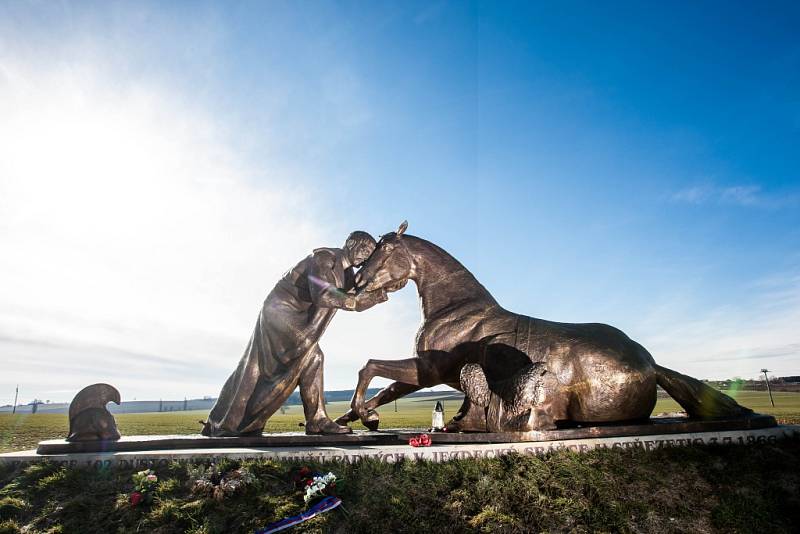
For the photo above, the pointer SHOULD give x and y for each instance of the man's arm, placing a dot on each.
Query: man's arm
(324, 293)
(367, 299)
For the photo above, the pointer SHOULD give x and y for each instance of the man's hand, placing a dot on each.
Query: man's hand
(367, 299)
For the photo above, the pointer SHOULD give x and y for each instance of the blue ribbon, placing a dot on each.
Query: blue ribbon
(325, 504)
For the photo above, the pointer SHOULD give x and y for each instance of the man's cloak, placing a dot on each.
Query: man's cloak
(284, 340)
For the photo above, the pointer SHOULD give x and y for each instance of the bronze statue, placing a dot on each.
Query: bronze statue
(283, 351)
(535, 373)
(89, 419)
(512, 404)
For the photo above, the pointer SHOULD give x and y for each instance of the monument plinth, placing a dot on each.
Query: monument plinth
(142, 452)
(401, 436)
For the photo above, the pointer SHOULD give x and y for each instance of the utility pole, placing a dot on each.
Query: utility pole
(16, 395)
(765, 371)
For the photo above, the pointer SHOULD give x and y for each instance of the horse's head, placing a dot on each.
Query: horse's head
(389, 266)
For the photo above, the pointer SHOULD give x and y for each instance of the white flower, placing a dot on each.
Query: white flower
(318, 485)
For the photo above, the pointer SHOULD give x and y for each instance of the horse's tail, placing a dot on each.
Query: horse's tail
(697, 398)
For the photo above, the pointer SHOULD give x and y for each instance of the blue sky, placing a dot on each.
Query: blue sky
(633, 164)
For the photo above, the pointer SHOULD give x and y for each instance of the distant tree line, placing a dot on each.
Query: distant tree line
(777, 383)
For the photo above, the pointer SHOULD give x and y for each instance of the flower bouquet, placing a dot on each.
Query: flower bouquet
(210, 482)
(318, 494)
(423, 440)
(144, 484)
(319, 486)
(315, 485)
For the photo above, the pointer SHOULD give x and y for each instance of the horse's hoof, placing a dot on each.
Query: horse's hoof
(371, 420)
(453, 426)
(358, 411)
(348, 417)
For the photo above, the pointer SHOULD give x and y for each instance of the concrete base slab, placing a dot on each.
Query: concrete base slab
(400, 436)
(392, 453)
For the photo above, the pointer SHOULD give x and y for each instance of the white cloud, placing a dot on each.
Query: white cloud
(693, 195)
(128, 222)
(742, 195)
(137, 246)
(760, 330)
(733, 195)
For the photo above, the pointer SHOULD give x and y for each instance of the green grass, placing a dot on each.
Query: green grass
(786, 409)
(24, 431)
(697, 489)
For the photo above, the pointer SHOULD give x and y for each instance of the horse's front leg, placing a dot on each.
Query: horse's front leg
(391, 392)
(428, 369)
(405, 371)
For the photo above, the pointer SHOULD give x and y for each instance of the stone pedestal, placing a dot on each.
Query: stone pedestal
(438, 452)
(392, 445)
(656, 425)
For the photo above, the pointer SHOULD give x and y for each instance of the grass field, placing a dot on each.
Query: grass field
(19, 432)
(669, 490)
(701, 489)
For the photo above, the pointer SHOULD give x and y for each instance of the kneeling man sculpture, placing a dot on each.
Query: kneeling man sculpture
(284, 352)
(518, 373)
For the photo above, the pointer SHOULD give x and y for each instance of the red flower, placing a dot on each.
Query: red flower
(136, 498)
(423, 440)
(309, 482)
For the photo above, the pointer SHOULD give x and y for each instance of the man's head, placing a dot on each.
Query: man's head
(358, 247)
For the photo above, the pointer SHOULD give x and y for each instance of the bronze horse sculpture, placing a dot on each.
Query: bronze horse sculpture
(588, 373)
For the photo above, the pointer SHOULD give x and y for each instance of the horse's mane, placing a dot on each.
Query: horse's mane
(420, 243)
(445, 260)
